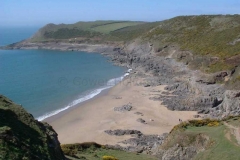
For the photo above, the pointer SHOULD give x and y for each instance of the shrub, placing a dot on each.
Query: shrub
(109, 158)
(73, 149)
(213, 124)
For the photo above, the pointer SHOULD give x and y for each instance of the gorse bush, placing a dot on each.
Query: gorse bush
(196, 123)
(109, 158)
(213, 124)
(204, 122)
(73, 149)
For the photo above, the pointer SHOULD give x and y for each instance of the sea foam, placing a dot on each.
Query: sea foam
(110, 83)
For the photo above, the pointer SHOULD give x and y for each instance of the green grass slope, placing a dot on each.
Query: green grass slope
(23, 137)
(110, 27)
(221, 144)
(93, 151)
(81, 29)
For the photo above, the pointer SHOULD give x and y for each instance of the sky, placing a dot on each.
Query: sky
(41, 12)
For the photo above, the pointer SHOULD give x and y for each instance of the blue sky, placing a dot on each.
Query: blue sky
(41, 12)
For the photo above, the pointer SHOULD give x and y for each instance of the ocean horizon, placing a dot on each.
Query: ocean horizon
(47, 82)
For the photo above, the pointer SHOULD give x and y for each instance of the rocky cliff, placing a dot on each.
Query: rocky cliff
(190, 89)
(23, 137)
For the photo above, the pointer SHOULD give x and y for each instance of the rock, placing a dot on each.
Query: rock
(118, 97)
(141, 120)
(180, 152)
(139, 113)
(120, 132)
(197, 116)
(144, 143)
(147, 85)
(123, 108)
(230, 104)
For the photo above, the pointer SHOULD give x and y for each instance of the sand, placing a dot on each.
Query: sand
(88, 121)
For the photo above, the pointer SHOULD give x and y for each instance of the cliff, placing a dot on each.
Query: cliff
(23, 137)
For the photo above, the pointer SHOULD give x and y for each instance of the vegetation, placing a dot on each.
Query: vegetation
(206, 36)
(132, 32)
(219, 146)
(94, 151)
(109, 158)
(22, 137)
(81, 29)
(107, 28)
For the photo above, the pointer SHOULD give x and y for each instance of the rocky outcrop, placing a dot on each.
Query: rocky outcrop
(178, 153)
(230, 105)
(120, 132)
(29, 138)
(139, 142)
(127, 107)
(185, 150)
(189, 89)
(62, 46)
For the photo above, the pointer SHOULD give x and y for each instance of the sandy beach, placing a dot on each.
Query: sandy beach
(88, 121)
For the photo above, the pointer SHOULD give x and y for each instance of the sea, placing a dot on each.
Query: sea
(47, 82)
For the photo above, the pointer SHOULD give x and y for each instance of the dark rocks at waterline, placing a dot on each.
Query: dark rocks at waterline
(120, 132)
(123, 108)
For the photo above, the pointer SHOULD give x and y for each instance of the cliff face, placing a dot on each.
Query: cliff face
(23, 137)
(192, 89)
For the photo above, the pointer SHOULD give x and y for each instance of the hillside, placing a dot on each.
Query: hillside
(81, 30)
(213, 40)
(203, 139)
(22, 137)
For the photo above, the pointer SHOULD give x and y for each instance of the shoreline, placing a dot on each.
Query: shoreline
(59, 115)
(91, 94)
(89, 120)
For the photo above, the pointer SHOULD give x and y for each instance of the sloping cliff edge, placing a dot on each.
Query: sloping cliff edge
(23, 137)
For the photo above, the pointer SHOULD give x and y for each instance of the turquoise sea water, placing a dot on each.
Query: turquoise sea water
(47, 82)
(10, 35)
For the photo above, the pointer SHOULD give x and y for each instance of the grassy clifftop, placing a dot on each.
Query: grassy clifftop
(22, 137)
(96, 29)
